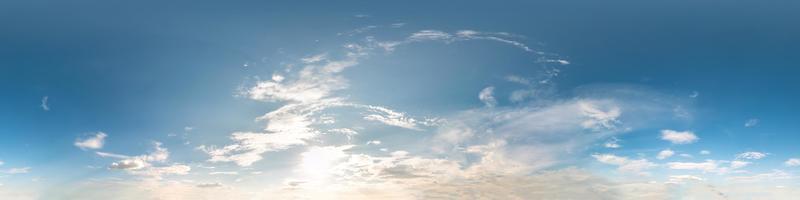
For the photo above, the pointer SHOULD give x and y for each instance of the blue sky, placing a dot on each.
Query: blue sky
(399, 100)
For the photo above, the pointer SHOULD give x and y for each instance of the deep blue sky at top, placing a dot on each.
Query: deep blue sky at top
(139, 70)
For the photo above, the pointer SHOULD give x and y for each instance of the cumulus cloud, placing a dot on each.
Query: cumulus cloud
(679, 137)
(666, 153)
(792, 162)
(152, 164)
(486, 96)
(751, 155)
(94, 142)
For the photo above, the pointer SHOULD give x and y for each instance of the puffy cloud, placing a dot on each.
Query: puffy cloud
(486, 96)
(751, 155)
(94, 142)
(792, 162)
(666, 153)
(678, 137)
(144, 165)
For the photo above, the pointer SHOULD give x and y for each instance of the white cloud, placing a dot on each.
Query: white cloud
(152, 164)
(44, 105)
(751, 155)
(707, 166)
(111, 155)
(678, 137)
(705, 152)
(666, 153)
(679, 179)
(22, 170)
(613, 143)
(391, 117)
(486, 96)
(751, 122)
(774, 175)
(625, 164)
(598, 118)
(738, 164)
(710, 166)
(95, 142)
(792, 162)
(249, 146)
(374, 142)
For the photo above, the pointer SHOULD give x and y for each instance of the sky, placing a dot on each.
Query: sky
(399, 100)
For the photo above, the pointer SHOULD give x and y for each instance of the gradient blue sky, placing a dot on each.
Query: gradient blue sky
(613, 99)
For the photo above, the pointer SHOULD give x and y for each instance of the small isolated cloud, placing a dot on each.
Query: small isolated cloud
(487, 97)
(792, 162)
(94, 142)
(694, 94)
(666, 153)
(751, 155)
(751, 123)
(679, 137)
(705, 152)
(44, 105)
(613, 143)
(374, 142)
